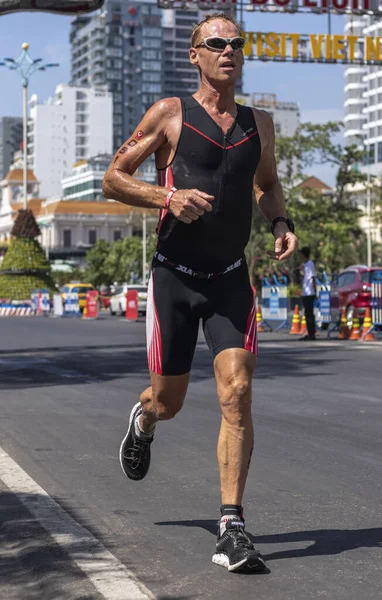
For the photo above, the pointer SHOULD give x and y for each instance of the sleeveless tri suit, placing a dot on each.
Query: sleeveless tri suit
(199, 270)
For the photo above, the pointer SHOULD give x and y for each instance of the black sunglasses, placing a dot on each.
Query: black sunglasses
(220, 43)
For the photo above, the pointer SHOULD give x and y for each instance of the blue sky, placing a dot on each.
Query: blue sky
(317, 88)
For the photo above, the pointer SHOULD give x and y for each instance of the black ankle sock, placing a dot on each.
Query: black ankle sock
(230, 512)
(231, 509)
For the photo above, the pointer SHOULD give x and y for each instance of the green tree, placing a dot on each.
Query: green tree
(24, 266)
(97, 271)
(328, 224)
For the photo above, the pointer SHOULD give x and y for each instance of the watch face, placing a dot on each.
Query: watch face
(65, 7)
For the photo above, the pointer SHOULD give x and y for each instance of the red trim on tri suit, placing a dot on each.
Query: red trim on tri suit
(155, 350)
(165, 179)
(250, 340)
(216, 143)
(203, 134)
(241, 141)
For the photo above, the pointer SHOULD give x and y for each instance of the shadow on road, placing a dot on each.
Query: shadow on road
(31, 564)
(321, 541)
(54, 366)
(34, 566)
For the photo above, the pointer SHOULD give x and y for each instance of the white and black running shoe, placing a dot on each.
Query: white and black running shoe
(134, 453)
(235, 551)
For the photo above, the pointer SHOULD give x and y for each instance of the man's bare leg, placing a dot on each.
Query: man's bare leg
(163, 399)
(234, 370)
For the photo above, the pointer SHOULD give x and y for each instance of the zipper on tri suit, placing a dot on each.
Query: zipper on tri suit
(223, 170)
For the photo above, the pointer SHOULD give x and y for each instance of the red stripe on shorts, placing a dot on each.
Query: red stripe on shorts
(250, 340)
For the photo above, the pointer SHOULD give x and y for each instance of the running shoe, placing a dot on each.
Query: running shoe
(134, 453)
(235, 551)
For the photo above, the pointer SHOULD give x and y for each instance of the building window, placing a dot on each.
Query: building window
(117, 235)
(380, 152)
(67, 238)
(92, 237)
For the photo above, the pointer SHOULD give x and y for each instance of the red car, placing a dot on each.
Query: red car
(352, 287)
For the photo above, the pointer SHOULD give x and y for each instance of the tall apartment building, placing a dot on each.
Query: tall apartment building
(363, 97)
(11, 137)
(71, 126)
(180, 77)
(355, 88)
(121, 47)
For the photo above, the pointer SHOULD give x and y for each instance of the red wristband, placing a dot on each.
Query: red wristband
(168, 198)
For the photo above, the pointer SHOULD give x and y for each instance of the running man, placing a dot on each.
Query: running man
(210, 154)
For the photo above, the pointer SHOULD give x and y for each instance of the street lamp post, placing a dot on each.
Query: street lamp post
(25, 66)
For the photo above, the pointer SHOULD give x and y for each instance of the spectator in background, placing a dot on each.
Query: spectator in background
(309, 291)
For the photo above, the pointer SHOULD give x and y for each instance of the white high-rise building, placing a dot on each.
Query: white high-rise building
(75, 124)
(363, 97)
(355, 87)
(373, 105)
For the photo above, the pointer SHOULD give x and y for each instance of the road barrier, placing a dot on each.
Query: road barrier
(71, 305)
(58, 305)
(323, 312)
(22, 309)
(132, 305)
(274, 302)
(43, 302)
(376, 302)
(91, 307)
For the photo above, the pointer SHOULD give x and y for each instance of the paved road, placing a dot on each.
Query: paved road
(313, 494)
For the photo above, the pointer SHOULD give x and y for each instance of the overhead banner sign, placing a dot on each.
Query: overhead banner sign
(360, 7)
(320, 48)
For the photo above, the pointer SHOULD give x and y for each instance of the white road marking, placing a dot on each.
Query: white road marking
(108, 575)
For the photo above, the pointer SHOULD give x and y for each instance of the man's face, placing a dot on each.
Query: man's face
(225, 66)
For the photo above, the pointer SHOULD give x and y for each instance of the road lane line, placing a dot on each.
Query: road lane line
(108, 575)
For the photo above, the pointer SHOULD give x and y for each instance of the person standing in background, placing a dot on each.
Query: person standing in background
(309, 291)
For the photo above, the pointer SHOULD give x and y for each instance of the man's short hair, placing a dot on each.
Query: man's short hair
(305, 251)
(211, 17)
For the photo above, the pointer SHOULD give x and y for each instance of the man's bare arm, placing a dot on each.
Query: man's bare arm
(269, 193)
(119, 183)
(268, 190)
(153, 132)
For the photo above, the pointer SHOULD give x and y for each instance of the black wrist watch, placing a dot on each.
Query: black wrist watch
(289, 222)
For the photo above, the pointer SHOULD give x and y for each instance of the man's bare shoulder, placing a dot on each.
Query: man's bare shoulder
(265, 127)
(263, 118)
(166, 108)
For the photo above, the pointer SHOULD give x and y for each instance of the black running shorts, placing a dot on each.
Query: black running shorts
(176, 302)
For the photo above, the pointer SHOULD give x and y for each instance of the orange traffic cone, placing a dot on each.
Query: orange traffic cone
(367, 324)
(295, 329)
(303, 328)
(344, 330)
(355, 330)
(259, 319)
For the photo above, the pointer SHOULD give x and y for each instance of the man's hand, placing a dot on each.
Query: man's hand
(286, 243)
(189, 205)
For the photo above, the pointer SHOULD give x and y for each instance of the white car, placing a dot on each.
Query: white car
(118, 299)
